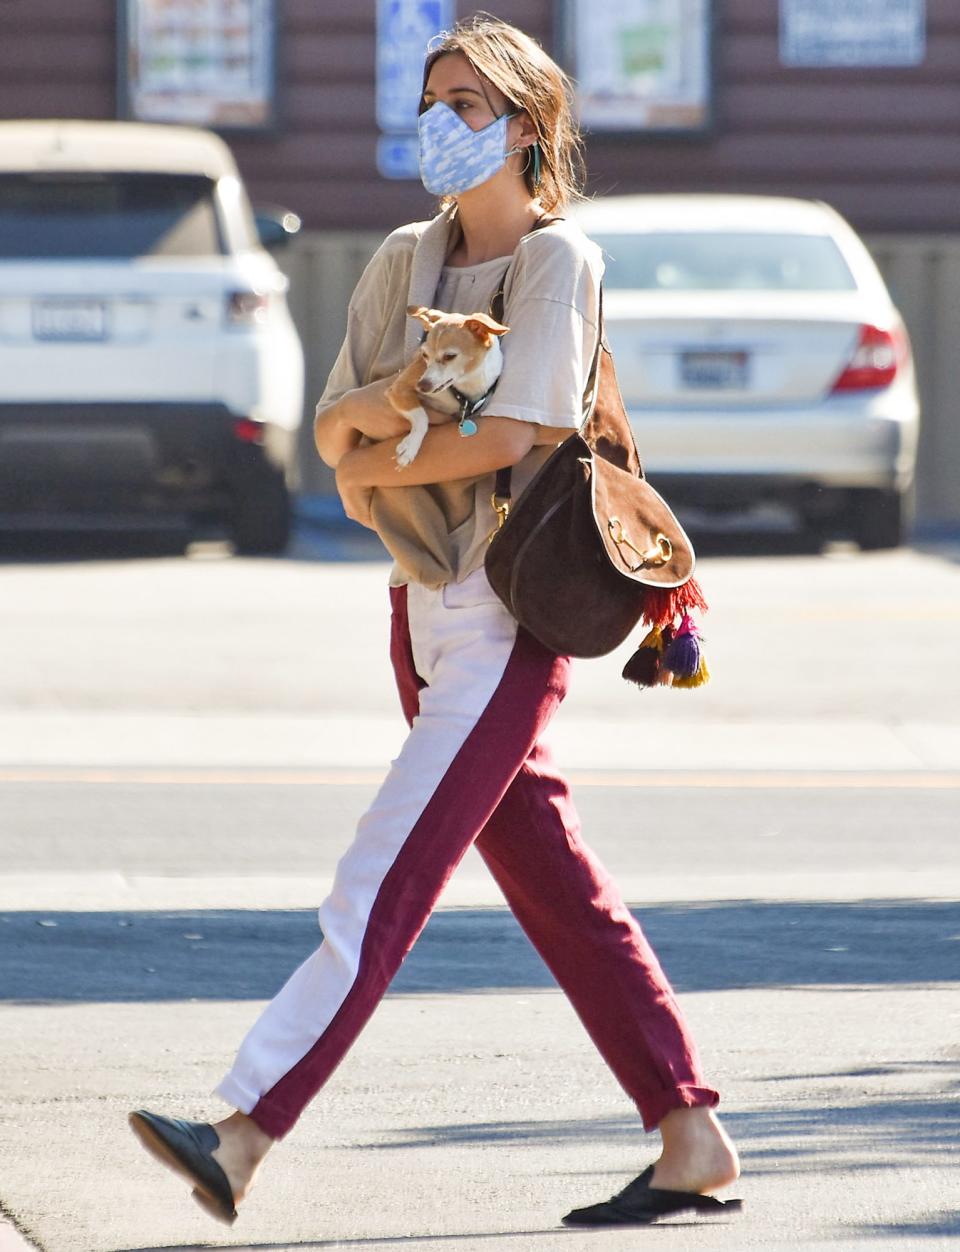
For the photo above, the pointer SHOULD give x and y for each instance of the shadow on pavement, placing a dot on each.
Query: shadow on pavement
(891, 1132)
(941, 1224)
(247, 955)
(895, 1130)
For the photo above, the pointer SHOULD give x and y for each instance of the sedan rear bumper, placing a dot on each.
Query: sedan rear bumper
(836, 446)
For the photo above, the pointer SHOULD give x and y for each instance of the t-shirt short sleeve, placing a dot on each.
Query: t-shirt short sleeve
(551, 308)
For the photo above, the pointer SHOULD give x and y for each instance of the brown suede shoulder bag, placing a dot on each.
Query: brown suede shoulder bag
(590, 549)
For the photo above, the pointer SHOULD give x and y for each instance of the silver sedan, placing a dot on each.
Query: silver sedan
(761, 359)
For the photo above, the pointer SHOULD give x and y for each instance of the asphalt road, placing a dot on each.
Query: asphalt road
(185, 745)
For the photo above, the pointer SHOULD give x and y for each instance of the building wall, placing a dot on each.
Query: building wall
(882, 145)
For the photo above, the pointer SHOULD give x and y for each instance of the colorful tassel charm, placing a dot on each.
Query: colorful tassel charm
(699, 679)
(663, 605)
(670, 655)
(643, 668)
(682, 657)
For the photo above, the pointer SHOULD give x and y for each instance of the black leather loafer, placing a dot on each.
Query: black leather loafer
(639, 1204)
(187, 1148)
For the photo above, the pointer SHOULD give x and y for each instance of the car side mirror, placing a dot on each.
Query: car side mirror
(276, 226)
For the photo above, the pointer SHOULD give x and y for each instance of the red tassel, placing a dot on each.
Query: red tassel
(662, 605)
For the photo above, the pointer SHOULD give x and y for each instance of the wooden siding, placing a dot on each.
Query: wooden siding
(882, 145)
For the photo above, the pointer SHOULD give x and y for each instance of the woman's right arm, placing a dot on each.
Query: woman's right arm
(362, 412)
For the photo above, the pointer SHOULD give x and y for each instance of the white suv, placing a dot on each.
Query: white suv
(148, 361)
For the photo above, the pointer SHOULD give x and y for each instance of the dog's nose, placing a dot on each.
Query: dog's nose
(430, 387)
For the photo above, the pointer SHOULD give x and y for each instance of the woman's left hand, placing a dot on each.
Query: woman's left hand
(356, 499)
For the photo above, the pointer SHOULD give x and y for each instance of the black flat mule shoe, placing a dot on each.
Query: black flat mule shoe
(187, 1147)
(639, 1204)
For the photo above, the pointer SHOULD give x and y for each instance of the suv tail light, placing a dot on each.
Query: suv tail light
(246, 430)
(878, 356)
(247, 308)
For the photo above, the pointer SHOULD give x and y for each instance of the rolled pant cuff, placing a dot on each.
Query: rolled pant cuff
(273, 1120)
(654, 1109)
(235, 1094)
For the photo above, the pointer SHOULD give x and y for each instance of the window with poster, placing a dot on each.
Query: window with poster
(640, 65)
(200, 62)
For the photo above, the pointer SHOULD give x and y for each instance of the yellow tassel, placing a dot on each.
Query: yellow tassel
(653, 639)
(699, 679)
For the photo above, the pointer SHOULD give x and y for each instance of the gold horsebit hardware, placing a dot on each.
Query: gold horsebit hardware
(500, 506)
(660, 554)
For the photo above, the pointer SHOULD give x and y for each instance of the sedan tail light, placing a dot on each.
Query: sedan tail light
(878, 356)
(247, 308)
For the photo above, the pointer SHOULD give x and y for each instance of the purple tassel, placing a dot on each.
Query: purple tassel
(682, 656)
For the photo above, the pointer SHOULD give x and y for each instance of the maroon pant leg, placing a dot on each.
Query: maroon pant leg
(573, 913)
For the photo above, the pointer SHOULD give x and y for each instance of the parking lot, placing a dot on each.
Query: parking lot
(185, 743)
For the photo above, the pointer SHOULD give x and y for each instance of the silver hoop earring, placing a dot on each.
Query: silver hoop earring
(528, 153)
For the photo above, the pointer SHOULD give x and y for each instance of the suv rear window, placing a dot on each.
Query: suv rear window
(46, 216)
(728, 261)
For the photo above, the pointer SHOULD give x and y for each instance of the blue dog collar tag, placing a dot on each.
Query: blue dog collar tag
(468, 427)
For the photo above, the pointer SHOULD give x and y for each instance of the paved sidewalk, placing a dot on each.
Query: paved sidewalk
(471, 1122)
(179, 766)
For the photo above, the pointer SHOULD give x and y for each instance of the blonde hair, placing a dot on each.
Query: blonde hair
(531, 80)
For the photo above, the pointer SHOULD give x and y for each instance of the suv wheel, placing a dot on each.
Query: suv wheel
(880, 518)
(262, 517)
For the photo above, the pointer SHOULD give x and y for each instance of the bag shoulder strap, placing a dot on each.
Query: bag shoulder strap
(501, 492)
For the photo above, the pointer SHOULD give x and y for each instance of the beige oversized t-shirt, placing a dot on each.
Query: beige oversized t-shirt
(438, 533)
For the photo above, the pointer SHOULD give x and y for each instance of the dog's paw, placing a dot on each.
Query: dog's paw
(407, 449)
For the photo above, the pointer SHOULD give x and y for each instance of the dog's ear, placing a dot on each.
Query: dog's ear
(423, 314)
(483, 327)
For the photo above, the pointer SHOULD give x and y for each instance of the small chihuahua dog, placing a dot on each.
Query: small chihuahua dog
(457, 365)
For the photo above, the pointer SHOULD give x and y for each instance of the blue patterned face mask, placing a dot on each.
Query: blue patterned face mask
(454, 158)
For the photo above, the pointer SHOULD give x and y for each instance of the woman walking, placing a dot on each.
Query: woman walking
(498, 144)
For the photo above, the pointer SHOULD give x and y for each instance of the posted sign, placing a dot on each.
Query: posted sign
(640, 65)
(203, 62)
(404, 28)
(852, 32)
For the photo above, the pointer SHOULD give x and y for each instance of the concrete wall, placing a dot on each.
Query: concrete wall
(923, 273)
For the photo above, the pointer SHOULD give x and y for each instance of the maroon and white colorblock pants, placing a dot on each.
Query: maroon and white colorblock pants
(478, 692)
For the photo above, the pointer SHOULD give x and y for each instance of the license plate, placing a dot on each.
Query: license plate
(715, 371)
(77, 321)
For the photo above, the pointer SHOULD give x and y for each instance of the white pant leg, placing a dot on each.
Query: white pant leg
(462, 639)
